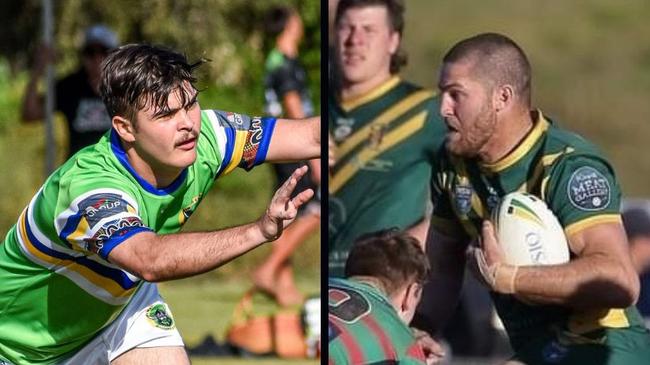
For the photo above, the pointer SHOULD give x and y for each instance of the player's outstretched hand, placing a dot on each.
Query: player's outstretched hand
(283, 209)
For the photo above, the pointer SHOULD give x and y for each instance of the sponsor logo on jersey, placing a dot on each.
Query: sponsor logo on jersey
(99, 206)
(463, 195)
(343, 128)
(188, 210)
(160, 316)
(234, 118)
(589, 189)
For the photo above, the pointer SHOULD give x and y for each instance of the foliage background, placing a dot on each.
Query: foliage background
(230, 34)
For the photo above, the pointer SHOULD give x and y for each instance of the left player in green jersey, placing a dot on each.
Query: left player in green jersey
(77, 270)
(580, 312)
(369, 310)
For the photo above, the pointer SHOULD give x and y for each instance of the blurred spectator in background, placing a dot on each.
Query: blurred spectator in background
(77, 95)
(637, 226)
(386, 131)
(369, 310)
(287, 94)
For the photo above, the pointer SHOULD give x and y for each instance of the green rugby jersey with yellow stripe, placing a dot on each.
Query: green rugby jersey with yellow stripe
(386, 143)
(58, 287)
(578, 185)
(364, 328)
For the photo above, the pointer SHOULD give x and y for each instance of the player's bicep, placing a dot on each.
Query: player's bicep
(601, 239)
(132, 254)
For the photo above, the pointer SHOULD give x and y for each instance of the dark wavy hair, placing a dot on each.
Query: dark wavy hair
(136, 75)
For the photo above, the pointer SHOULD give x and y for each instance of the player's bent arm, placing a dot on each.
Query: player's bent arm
(295, 140)
(441, 292)
(602, 275)
(154, 257)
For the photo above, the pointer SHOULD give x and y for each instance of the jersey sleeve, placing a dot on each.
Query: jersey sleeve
(240, 140)
(99, 220)
(583, 191)
(284, 80)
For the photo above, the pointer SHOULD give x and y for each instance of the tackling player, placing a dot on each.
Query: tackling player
(78, 268)
(369, 311)
(581, 312)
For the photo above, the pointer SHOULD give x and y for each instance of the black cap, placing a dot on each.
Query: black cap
(636, 222)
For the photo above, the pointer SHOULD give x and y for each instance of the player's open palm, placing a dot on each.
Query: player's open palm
(283, 209)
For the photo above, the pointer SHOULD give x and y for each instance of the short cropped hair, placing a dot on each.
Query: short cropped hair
(395, 10)
(276, 20)
(498, 60)
(136, 75)
(393, 257)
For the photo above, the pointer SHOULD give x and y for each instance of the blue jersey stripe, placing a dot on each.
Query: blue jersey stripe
(116, 275)
(268, 124)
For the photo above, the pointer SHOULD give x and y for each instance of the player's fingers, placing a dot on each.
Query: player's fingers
(284, 192)
(302, 198)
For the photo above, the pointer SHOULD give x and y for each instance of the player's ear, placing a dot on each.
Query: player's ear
(411, 297)
(124, 127)
(503, 96)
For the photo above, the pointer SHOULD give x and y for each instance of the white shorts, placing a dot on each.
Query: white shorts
(145, 322)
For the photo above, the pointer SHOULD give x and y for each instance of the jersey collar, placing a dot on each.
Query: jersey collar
(120, 154)
(373, 94)
(540, 126)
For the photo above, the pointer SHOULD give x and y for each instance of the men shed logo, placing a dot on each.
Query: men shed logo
(588, 189)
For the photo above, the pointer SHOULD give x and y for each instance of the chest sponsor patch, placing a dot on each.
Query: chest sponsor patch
(589, 189)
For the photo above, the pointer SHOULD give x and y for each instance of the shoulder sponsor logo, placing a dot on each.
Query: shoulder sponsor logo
(99, 206)
(588, 189)
(160, 316)
(234, 118)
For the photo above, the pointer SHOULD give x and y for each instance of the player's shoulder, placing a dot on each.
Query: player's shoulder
(559, 138)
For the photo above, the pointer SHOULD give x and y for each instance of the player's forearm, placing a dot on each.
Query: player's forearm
(174, 256)
(295, 140)
(586, 282)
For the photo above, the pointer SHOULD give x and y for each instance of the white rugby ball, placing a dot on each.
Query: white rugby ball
(528, 231)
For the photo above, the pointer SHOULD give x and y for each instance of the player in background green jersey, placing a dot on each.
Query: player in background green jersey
(386, 131)
(369, 310)
(580, 312)
(78, 269)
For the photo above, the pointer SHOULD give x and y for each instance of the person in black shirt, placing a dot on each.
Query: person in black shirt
(287, 94)
(77, 95)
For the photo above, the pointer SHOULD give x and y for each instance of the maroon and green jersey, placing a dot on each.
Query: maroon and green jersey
(579, 186)
(364, 328)
(386, 143)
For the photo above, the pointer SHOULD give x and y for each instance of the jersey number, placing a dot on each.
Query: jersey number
(347, 305)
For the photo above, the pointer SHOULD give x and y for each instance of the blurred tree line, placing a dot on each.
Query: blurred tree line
(227, 32)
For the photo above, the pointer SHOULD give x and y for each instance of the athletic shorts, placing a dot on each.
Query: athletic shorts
(145, 322)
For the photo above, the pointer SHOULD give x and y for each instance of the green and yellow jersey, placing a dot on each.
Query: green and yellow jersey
(364, 328)
(386, 144)
(58, 287)
(579, 186)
